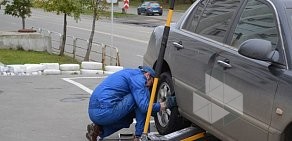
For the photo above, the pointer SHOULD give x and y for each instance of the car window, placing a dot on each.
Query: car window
(216, 18)
(154, 5)
(144, 4)
(192, 20)
(256, 22)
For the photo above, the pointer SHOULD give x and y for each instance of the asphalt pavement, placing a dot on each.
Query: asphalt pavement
(54, 108)
(47, 108)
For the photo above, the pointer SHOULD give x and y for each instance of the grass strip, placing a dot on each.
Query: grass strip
(9, 56)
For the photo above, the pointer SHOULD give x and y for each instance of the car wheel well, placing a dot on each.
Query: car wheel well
(175, 116)
(165, 67)
(287, 134)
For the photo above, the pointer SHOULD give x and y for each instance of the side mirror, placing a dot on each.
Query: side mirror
(259, 49)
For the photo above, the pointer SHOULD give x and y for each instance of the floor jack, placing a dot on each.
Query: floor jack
(186, 134)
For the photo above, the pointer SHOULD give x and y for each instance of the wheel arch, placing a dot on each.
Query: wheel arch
(287, 133)
(165, 67)
(175, 116)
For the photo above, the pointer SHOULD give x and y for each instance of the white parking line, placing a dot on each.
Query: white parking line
(80, 85)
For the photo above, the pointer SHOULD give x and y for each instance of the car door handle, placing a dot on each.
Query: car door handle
(178, 45)
(224, 64)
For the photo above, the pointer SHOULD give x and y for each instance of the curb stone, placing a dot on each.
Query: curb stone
(87, 68)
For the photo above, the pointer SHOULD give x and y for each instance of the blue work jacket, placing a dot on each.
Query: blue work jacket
(119, 84)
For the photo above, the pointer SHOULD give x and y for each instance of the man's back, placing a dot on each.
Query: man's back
(117, 85)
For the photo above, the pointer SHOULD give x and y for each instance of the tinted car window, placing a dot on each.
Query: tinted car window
(193, 18)
(154, 5)
(256, 22)
(144, 4)
(216, 18)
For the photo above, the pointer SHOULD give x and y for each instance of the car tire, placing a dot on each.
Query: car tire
(287, 134)
(167, 121)
(160, 14)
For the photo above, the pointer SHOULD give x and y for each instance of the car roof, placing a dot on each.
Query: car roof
(151, 2)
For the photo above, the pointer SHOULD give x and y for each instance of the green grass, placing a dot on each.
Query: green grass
(9, 56)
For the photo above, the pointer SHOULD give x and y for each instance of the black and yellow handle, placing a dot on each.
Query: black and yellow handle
(159, 64)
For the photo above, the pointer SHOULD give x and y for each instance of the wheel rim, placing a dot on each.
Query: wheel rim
(163, 116)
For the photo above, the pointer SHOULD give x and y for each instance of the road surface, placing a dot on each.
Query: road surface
(130, 35)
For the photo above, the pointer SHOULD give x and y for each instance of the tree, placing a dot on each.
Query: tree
(2, 2)
(66, 7)
(97, 9)
(19, 8)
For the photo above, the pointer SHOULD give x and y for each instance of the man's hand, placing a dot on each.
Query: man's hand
(163, 106)
(167, 103)
(171, 102)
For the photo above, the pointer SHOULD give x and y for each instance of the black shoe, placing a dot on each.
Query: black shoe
(92, 132)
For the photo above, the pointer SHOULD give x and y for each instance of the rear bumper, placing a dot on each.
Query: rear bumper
(154, 11)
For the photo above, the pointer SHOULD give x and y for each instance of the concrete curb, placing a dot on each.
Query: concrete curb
(87, 68)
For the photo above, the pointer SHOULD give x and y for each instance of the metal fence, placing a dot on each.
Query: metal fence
(77, 47)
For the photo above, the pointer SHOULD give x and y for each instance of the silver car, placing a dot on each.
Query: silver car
(228, 62)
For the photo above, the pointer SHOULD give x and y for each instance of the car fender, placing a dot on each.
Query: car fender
(154, 45)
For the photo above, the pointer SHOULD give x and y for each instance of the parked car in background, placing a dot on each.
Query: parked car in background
(229, 64)
(150, 8)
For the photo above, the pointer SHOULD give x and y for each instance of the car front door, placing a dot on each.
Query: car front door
(243, 89)
(192, 49)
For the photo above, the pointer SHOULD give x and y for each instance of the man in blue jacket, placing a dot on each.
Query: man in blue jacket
(121, 97)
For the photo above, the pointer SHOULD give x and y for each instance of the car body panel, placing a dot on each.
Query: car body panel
(232, 96)
(150, 8)
(142, 7)
(199, 57)
(241, 92)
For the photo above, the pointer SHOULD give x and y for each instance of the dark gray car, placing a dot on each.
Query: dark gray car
(229, 64)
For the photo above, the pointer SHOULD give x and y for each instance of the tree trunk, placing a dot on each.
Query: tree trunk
(165, 1)
(62, 46)
(23, 22)
(86, 58)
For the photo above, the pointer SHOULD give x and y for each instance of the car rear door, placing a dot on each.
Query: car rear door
(244, 88)
(193, 47)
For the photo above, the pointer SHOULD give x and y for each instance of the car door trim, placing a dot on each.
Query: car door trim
(281, 34)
